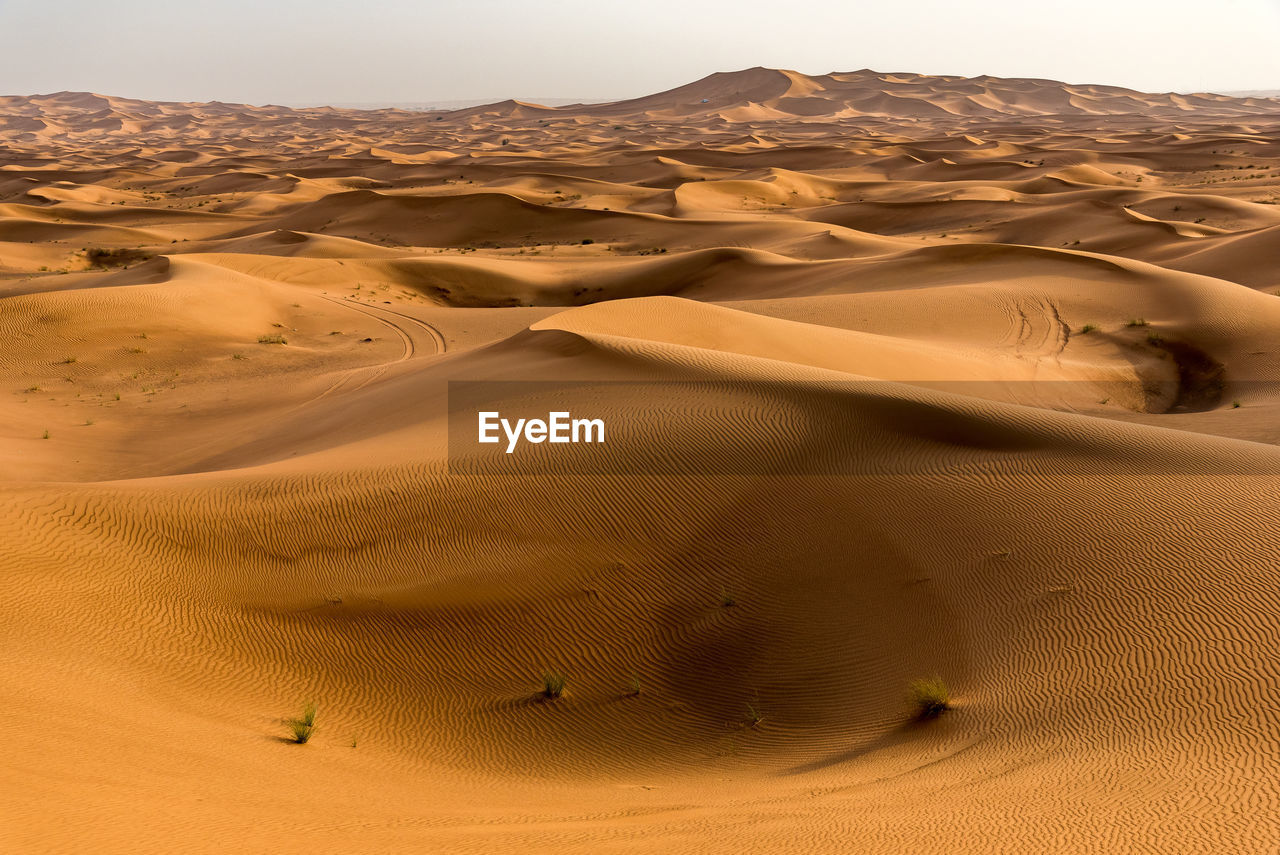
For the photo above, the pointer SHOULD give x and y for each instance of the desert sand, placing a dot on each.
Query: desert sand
(1042, 318)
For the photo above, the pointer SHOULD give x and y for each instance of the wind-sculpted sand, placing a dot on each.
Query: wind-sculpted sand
(966, 378)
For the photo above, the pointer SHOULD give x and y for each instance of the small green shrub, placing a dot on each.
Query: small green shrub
(1087, 328)
(1137, 322)
(553, 684)
(272, 339)
(929, 697)
(754, 715)
(302, 727)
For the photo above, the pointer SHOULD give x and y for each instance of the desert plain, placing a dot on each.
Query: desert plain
(1029, 328)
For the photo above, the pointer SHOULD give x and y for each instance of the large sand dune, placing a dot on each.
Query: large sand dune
(964, 377)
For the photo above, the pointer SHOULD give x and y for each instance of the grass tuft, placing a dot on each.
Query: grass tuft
(302, 727)
(553, 683)
(272, 339)
(1087, 328)
(929, 697)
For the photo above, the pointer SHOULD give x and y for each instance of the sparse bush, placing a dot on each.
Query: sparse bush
(754, 715)
(1087, 328)
(272, 339)
(553, 684)
(101, 257)
(727, 600)
(929, 697)
(633, 686)
(1138, 322)
(302, 727)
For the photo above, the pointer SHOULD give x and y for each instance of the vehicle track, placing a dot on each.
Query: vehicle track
(407, 337)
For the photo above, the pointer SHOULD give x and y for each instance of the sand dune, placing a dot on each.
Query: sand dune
(906, 376)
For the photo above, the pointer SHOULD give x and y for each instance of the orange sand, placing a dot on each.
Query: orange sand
(217, 529)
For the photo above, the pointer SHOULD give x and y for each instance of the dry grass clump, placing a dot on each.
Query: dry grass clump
(553, 684)
(929, 697)
(302, 727)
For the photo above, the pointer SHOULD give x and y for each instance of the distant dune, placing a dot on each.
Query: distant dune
(905, 377)
(756, 94)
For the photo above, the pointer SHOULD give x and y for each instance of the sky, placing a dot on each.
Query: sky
(398, 51)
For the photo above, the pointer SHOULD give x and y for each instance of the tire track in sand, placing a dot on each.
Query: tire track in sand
(406, 334)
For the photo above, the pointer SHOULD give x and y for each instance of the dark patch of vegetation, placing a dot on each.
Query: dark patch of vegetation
(98, 256)
(929, 698)
(553, 684)
(303, 727)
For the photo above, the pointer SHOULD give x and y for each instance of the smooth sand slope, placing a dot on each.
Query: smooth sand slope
(906, 376)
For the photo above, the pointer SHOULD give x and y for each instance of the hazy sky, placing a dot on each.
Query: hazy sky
(325, 51)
